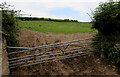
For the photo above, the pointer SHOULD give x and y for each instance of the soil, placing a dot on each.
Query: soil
(83, 65)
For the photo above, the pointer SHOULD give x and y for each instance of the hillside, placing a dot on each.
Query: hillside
(57, 27)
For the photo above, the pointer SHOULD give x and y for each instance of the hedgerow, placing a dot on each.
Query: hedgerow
(106, 19)
(44, 19)
(9, 25)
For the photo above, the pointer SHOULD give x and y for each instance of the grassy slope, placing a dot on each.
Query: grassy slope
(57, 27)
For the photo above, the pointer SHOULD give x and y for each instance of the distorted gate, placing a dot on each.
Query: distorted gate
(47, 53)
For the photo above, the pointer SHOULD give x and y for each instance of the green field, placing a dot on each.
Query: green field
(57, 27)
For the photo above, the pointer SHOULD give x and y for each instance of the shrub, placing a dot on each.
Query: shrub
(106, 19)
(9, 25)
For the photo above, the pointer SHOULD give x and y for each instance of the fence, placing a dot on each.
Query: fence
(47, 53)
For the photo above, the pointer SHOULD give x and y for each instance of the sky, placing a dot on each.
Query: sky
(58, 9)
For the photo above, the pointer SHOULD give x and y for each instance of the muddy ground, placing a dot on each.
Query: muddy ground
(83, 65)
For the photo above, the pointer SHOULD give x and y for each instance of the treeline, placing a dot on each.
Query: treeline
(44, 19)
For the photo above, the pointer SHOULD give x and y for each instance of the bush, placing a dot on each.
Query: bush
(106, 20)
(105, 48)
(9, 25)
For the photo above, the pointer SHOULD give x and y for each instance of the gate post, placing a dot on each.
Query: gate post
(4, 59)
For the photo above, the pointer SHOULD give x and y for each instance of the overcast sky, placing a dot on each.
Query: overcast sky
(60, 9)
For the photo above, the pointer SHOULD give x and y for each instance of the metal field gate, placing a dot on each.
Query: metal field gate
(47, 53)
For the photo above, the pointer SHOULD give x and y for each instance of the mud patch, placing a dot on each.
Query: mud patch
(83, 65)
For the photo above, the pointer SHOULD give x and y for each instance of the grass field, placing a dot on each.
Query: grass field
(57, 27)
